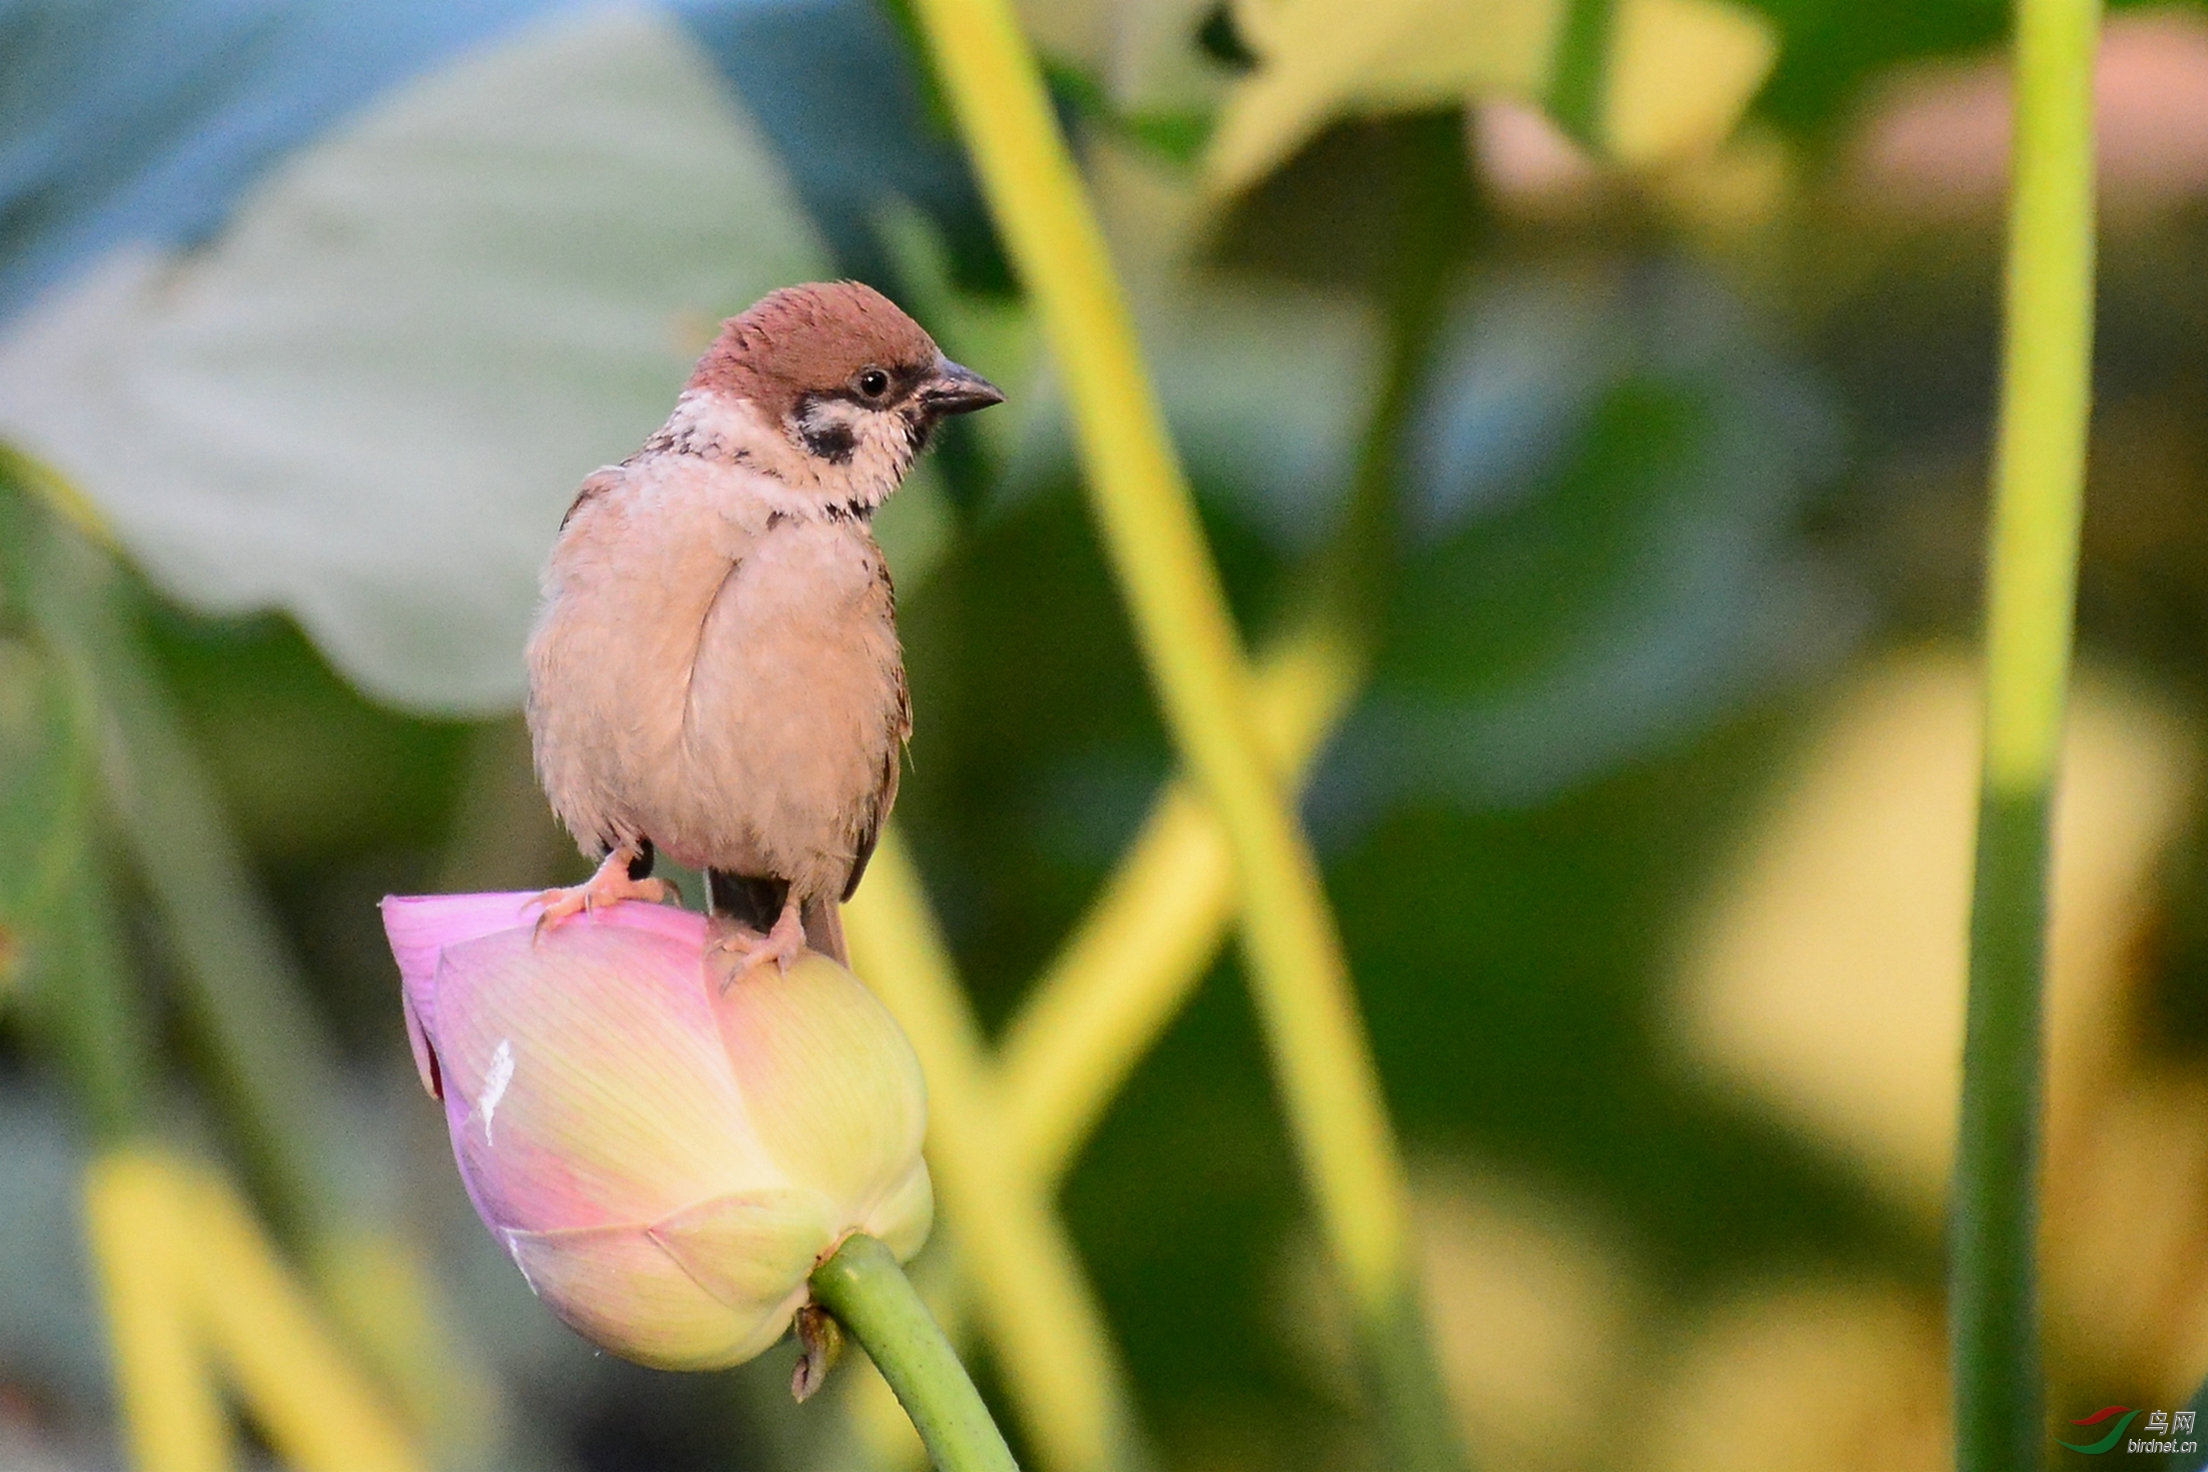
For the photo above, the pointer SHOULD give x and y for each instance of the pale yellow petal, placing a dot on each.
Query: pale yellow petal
(830, 1084)
(752, 1251)
(618, 1288)
(905, 1213)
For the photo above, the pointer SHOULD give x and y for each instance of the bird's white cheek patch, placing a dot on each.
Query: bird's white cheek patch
(832, 429)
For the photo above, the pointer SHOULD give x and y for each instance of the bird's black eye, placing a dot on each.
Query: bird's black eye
(873, 383)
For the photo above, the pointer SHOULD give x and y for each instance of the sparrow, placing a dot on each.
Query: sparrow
(714, 674)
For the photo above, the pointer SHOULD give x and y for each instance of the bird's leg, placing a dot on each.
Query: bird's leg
(615, 880)
(737, 950)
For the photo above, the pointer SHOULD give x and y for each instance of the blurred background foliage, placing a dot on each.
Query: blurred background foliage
(1669, 326)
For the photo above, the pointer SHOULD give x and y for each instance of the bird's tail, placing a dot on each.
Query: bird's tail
(823, 919)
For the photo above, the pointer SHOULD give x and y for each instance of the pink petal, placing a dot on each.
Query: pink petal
(425, 1056)
(419, 925)
(664, 1157)
(418, 928)
(584, 1080)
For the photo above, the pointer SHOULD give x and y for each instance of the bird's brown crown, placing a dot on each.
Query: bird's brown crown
(811, 339)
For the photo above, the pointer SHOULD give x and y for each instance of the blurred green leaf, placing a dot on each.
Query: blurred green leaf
(1179, 136)
(1229, 352)
(1571, 612)
(1515, 593)
(368, 399)
(1830, 48)
(307, 768)
(1132, 62)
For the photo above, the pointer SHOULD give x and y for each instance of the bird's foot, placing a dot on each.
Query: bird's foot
(610, 885)
(736, 950)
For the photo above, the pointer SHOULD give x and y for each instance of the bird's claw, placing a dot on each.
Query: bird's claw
(736, 951)
(609, 886)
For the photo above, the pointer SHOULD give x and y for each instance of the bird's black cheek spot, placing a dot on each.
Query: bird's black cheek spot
(832, 442)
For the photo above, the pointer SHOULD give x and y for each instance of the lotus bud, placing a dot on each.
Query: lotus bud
(665, 1160)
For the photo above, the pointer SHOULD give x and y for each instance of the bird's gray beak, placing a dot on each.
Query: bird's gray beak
(956, 390)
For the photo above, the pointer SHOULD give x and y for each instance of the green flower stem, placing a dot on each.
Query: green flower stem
(1422, 170)
(870, 1296)
(1422, 184)
(1300, 977)
(1061, 1370)
(1994, 1317)
(88, 1009)
(64, 947)
(2039, 478)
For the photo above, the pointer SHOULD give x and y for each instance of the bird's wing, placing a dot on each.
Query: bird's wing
(824, 917)
(885, 791)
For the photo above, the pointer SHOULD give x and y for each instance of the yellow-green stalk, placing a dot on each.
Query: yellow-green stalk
(2038, 484)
